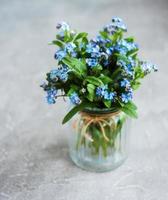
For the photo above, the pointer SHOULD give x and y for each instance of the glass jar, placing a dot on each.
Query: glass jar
(99, 141)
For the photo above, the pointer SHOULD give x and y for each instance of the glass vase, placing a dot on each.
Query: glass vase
(99, 139)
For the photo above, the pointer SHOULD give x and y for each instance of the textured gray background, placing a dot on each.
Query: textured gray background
(34, 162)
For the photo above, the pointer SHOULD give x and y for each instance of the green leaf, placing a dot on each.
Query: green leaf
(66, 36)
(75, 65)
(107, 103)
(91, 90)
(105, 79)
(67, 62)
(74, 110)
(80, 64)
(80, 35)
(94, 80)
(136, 85)
(116, 36)
(97, 68)
(85, 40)
(130, 39)
(57, 42)
(122, 57)
(116, 73)
(130, 111)
(73, 88)
(133, 52)
(104, 34)
(131, 105)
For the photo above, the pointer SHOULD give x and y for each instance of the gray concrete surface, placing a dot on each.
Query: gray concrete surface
(34, 162)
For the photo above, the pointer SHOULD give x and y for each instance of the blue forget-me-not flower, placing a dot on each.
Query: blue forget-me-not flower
(147, 67)
(51, 96)
(109, 95)
(69, 47)
(60, 54)
(63, 26)
(102, 92)
(125, 83)
(93, 49)
(60, 73)
(126, 97)
(74, 98)
(92, 62)
(117, 24)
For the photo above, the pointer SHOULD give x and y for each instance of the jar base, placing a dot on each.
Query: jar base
(97, 165)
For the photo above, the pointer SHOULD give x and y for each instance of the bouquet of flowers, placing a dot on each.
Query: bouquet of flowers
(99, 77)
(96, 73)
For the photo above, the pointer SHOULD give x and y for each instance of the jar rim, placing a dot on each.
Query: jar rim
(95, 110)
